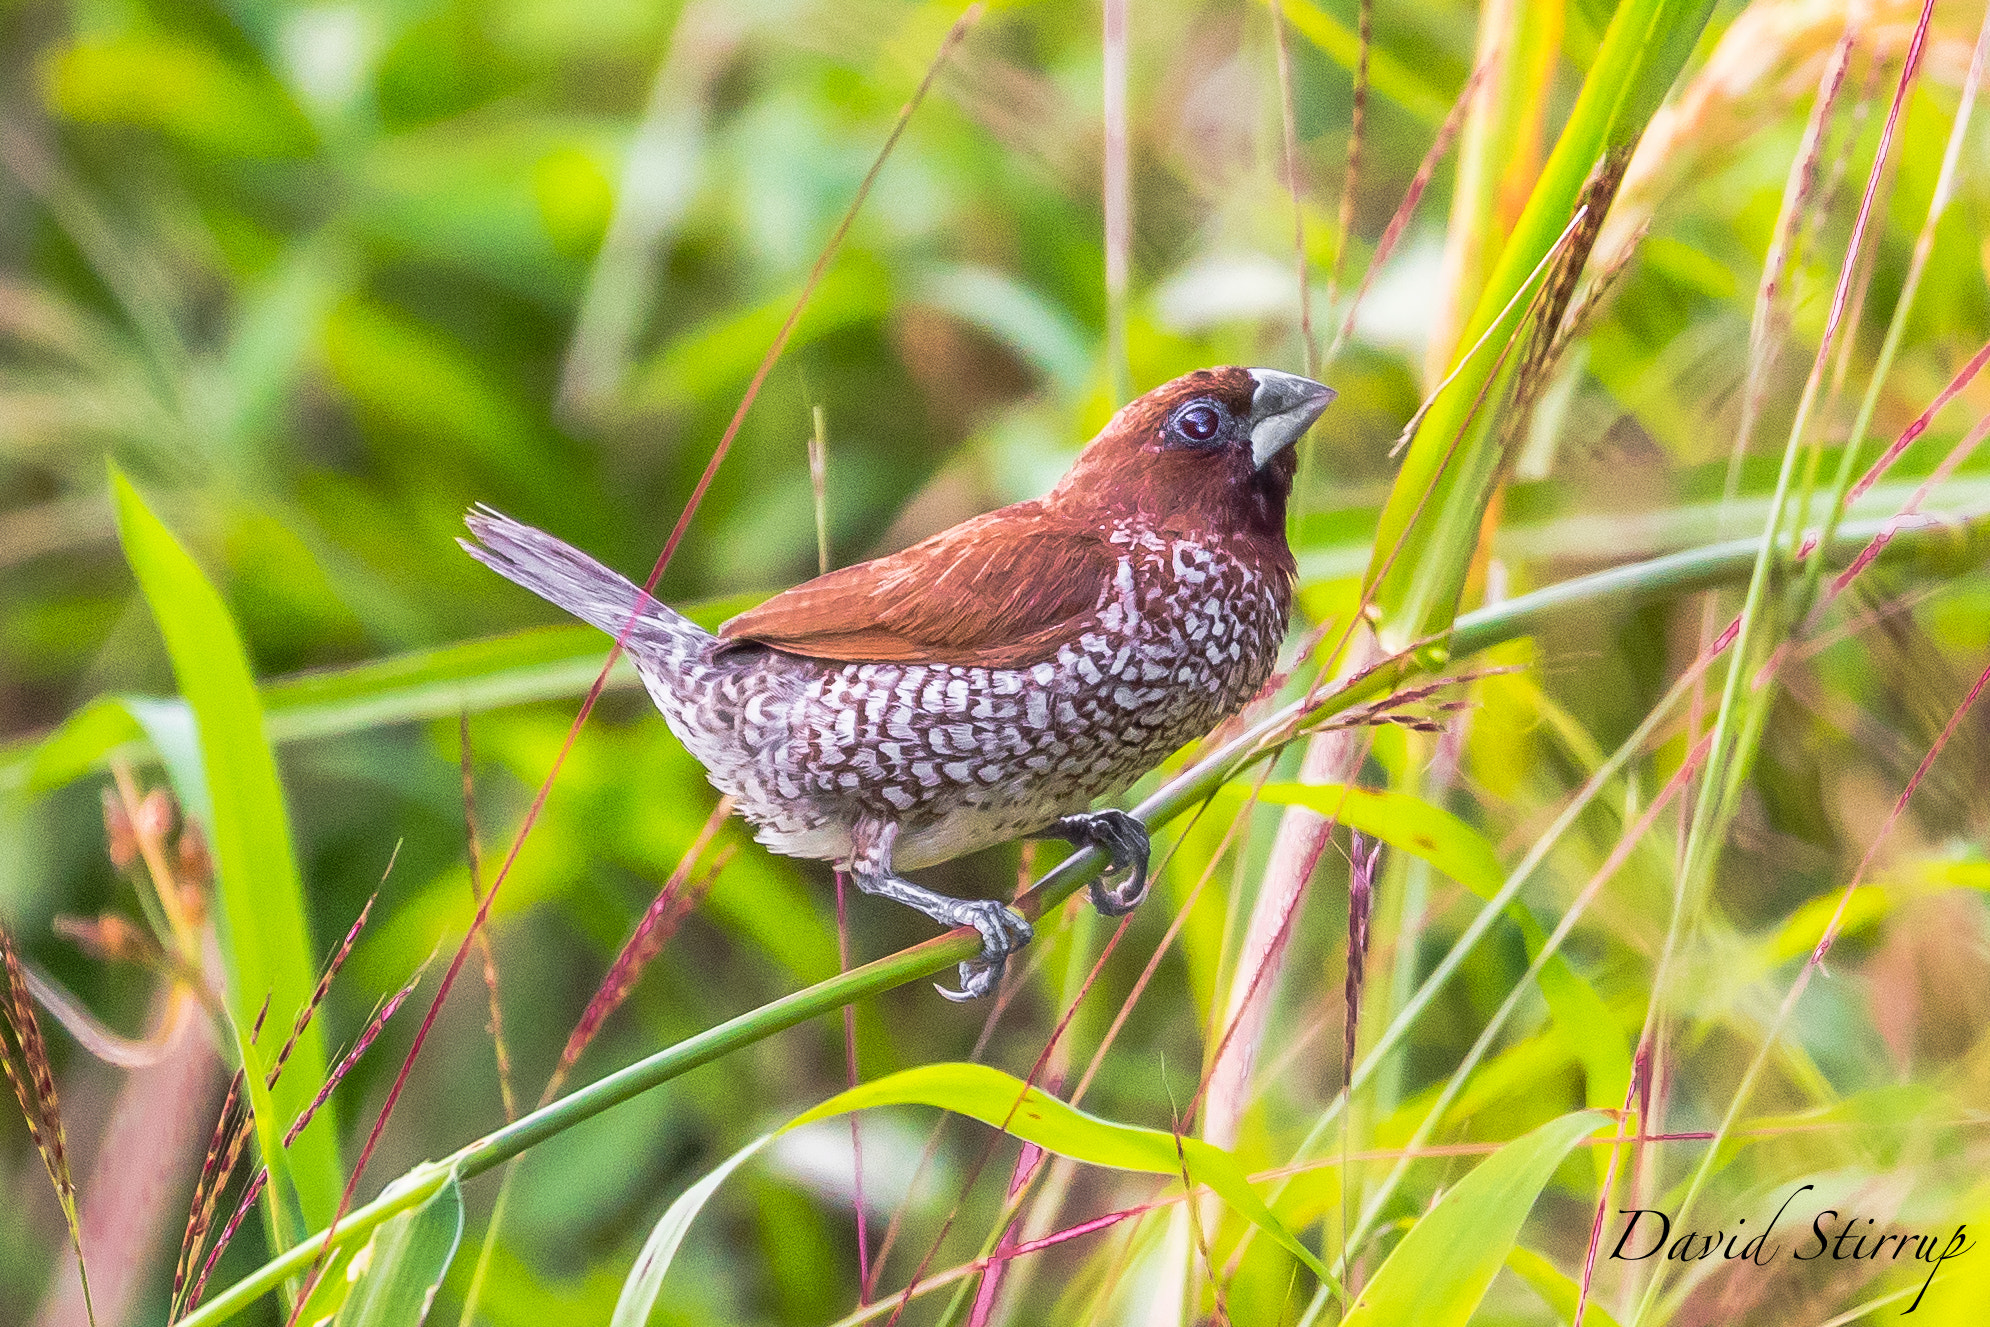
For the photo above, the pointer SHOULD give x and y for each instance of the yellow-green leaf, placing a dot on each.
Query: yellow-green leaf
(1439, 1273)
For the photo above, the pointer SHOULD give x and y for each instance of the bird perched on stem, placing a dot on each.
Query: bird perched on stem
(992, 682)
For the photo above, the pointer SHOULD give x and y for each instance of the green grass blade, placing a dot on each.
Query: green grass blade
(1001, 1101)
(645, 1283)
(264, 939)
(1440, 497)
(405, 1262)
(1443, 1267)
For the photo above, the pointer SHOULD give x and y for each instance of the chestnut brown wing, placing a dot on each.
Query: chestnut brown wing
(1000, 591)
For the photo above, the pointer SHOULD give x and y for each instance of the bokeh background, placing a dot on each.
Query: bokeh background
(319, 277)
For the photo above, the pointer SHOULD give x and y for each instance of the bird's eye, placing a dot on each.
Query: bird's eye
(1199, 423)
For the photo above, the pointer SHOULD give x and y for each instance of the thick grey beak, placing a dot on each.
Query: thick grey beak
(1283, 407)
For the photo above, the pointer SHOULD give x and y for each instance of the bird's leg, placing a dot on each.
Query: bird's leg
(1121, 838)
(1003, 930)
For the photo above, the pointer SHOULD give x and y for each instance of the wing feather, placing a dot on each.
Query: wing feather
(999, 591)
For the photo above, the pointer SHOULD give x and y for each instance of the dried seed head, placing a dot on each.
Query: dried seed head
(119, 839)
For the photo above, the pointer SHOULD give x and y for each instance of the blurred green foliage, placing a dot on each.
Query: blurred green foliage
(320, 276)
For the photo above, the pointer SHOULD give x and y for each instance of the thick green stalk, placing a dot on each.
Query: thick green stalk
(1964, 534)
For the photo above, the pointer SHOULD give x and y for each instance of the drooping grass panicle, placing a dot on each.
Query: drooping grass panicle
(216, 1165)
(374, 1026)
(324, 986)
(676, 900)
(25, 1060)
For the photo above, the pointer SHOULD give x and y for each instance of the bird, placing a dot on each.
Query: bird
(995, 680)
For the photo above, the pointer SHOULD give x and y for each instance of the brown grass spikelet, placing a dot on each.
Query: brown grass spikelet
(215, 1167)
(33, 1081)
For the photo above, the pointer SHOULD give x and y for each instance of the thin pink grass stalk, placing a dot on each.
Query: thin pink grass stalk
(1847, 275)
(1288, 122)
(1631, 1090)
(1958, 454)
(850, 1077)
(1763, 342)
(1832, 928)
(1447, 133)
(486, 950)
(953, 38)
(1942, 473)
(1884, 462)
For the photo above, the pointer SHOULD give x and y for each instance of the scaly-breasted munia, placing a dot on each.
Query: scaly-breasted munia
(991, 682)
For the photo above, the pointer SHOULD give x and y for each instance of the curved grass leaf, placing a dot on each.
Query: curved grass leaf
(1000, 1100)
(1441, 1270)
(264, 940)
(1431, 524)
(395, 1277)
(645, 1283)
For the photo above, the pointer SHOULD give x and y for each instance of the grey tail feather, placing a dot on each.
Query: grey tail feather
(560, 573)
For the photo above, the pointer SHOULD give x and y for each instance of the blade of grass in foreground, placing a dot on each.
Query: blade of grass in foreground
(1005, 1102)
(1444, 1266)
(264, 940)
(1479, 630)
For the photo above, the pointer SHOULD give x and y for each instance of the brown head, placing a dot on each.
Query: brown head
(1210, 452)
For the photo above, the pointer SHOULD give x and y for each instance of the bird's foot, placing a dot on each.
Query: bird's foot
(1003, 932)
(1123, 884)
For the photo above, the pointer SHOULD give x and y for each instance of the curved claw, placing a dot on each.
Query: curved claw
(1124, 840)
(1003, 932)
